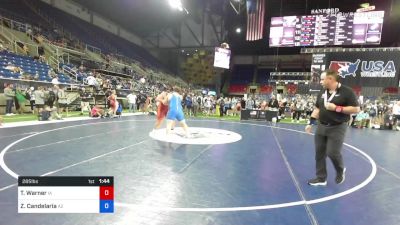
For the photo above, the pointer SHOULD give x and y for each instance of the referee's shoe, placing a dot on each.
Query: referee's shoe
(340, 177)
(317, 182)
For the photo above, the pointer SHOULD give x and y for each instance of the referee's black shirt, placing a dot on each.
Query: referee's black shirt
(344, 97)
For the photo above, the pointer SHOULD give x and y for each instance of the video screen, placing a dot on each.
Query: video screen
(222, 57)
(320, 30)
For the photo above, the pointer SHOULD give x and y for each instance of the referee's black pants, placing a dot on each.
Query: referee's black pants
(328, 143)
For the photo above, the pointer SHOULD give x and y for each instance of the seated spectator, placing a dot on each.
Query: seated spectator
(52, 73)
(49, 114)
(42, 59)
(41, 51)
(388, 120)
(2, 48)
(36, 77)
(11, 67)
(273, 103)
(264, 105)
(362, 119)
(55, 81)
(26, 49)
(91, 80)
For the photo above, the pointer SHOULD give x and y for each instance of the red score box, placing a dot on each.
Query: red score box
(106, 193)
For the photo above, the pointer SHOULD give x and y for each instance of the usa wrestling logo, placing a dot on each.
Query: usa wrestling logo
(345, 68)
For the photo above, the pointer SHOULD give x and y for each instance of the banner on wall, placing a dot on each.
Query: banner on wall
(366, 69)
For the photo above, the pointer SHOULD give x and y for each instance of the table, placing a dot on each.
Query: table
(255, 114)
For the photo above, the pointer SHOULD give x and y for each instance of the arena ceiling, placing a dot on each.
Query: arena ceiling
(144, 17)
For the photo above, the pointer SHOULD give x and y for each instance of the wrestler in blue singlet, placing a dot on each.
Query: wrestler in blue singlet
(175, 111)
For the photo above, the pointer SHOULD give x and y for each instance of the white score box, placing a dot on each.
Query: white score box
(37, 192)
(58, 206)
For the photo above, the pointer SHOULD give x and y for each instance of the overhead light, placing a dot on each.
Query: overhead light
(183, 50)
(196, 50)
(238, 30)
(188, 54)
(176, 4)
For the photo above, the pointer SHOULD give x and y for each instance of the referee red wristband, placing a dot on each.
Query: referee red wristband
(339, 109)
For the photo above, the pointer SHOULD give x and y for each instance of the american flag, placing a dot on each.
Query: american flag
(255, 19)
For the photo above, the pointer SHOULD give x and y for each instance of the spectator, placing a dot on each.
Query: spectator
(196, 104)
(242, 103)
(249, 103)
(91, 80)
(396, 115)
(388, 120)
(273, 103)
(36, 77)
(52, 73)
(62, 100)
(41, 51)
(31, 96)
(51, 97)
(132, 101)
(298, 110)
(21, 99)
(189, 105)
(264, 105)
(207, 105)
(55, 81)
(362, 119)
(49, 114)
(11, 67)
(221, 107)
(141, 101)
(9, 93)
(85, 98)
(29, 33)
(39, 99)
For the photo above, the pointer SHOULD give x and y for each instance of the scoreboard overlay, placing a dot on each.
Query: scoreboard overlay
(65, 194)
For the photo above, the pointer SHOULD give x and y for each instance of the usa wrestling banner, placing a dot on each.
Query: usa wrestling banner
(365, 69)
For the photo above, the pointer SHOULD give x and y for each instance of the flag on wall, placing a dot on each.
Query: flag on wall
(255, 19)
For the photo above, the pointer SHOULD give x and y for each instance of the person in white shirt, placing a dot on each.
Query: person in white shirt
(91, 80)
(396, 115)
(55, 81)
(132, 101)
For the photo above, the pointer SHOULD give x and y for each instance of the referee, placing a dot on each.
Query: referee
(333, 107)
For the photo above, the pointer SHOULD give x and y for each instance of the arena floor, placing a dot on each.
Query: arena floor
(235, 173)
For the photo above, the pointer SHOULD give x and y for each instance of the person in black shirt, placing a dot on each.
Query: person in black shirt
(273, 103)
(332, 110)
